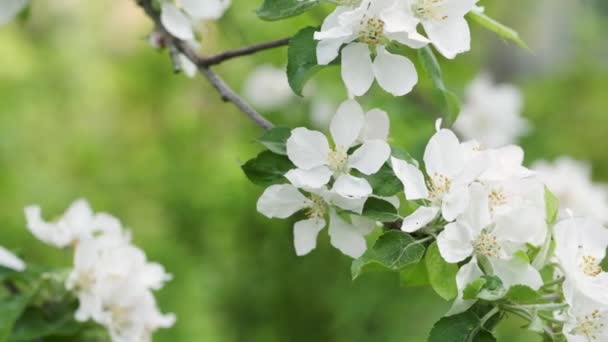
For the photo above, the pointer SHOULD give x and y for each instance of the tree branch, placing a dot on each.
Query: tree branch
(203, 64)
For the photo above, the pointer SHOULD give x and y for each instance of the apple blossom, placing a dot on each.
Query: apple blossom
(284, 200)
(450, 171)
(586, 319)
(570, 180)
(371, 24)
(317, 163)
(491, 113)
(444, 23)
(266, 88)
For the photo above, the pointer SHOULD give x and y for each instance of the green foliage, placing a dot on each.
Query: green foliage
(442, 275)
(486, 287)
(281, 9)
(522, 294)
(275, 139)
(302, 59)
(267, 168)
(464, 327)
(552, 206)
(393, 251)
(384, 183)
(11, 308)
(414, 275)
(496, 27)
(380, 210)
(450, 104)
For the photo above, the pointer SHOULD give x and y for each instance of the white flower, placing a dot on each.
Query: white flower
(444, 23)
(180, 22)
(586, 319)
(111, 277)
(317, 162)
(77, 222)
(11, 8)
(205, 9)
(372, 24)
(570, 180)
(491, 113)
(476, 235)
(450, 169)
(267, 88)
(10, 260)
(580, 246)
(282, 201)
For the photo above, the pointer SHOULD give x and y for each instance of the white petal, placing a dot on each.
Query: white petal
(377, 125)
(351, 204)
(357, 72)
(370, 157)
(281, 201)
(450, 37)
(412, 179)
(53, 234)
(464, 277)
(454, 242)
(305, 235)
(419, 218)
(205, 9)
(176, 22)
(516, 272)
(190, 69)
(328, 50)
(443, 154)
(346, 237)
(395, 74)
(307, 149)
(9, 260)
(313, 178)
(412, 39)
(346, 125)
(454, 202)
(352, 187)
(11, 8)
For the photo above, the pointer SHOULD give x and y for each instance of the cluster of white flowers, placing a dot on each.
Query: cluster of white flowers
(367, 27)
(491, 206)
(491, 113)
(359, 143)
(111, 277)
(570, 180)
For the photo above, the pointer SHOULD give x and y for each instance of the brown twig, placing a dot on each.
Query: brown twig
(204, 63)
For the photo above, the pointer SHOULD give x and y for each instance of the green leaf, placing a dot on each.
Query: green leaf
(384, 182)
(302, 59)
(442, 275)
(380, 210)
(551, 205)
(393, 251)
(414, 275)
(464, 327)
(54, 319)
(496, 27)
(523, 294)
(470, 291)
(11, 308)
(281, 9)
(275, 139)
(449, 101)
(267, 168)
(486, 287)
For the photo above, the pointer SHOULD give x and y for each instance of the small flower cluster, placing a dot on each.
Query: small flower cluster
(367, 27)
(328, 179)
(111, 277)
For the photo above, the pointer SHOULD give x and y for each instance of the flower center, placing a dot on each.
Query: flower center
(438, 185)
(497, 198)
(318, 208)
(590, 266)
(428, 9)
(590, 325)
(372, 31)
(337, 159)
(85, 280)
(486, 244)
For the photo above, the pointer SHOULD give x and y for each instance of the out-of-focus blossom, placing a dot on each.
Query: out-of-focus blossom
(267, 88)
(491, 114)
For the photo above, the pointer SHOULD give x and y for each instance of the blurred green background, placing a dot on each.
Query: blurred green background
(88, 109)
